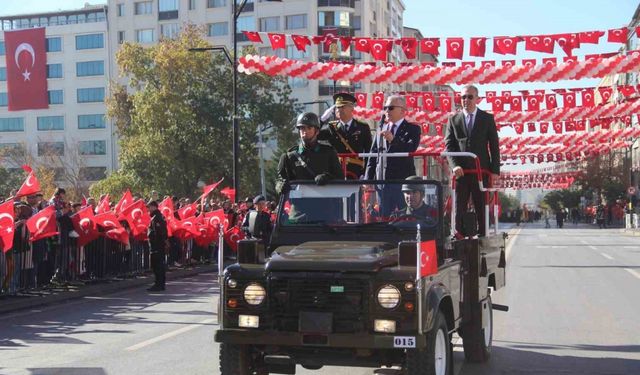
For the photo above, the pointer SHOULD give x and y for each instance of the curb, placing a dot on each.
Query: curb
(13, 304)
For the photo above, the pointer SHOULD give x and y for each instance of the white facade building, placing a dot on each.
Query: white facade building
(73, 127)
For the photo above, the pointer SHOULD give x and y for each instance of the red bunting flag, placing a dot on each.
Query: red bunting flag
(592, 37)
(455, 48)
(430, 46)
(42, 224)
(518, 127)
(428, 102)
(533, 103)
(557, 127)
(567, 42)
(7, 225)
(497, 104)
(544, 127)
(26, 69)
(627, 90)
(617, 35)
(362, 45)
(445, 101)
(361, 98)
(409, 47)
(531, 127)
(427, 259)
(550, 101)
(378, 100)
(253, 36)
(539, 43)
(278, 41)
(605, 93)
(301, 42)
(379, 49)
(569, 99)
(330, 35)
(477, 46)
(516, 103)
(505, 45)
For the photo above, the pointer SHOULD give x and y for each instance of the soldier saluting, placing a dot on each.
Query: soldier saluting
(346, 134)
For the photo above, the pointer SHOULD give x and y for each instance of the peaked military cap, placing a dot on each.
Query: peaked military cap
(343, 98)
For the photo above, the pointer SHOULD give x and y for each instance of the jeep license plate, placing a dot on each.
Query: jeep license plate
(404, 342)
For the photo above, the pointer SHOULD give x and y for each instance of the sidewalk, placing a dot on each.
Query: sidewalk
(61, 294)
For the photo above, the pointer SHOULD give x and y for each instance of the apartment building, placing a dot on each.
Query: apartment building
(73, 129)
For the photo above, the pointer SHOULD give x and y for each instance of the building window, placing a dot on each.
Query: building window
(356, 22)
(342, 19)
(15, 149)
(269, 24)
(2, 48)
(120, 37)
(92, 147)
(12, 124)
(297, 21)
(91, 95)
(93, 173)
(56, 97)
(4, 99)
(90, 68)
(50, 148)
(50, 123)
(167, 5)
(91, 121)
(54, 70)
(298, 82)
(268, 51)
(144, 36)
(54, 44)
(3, 74)
(169, 30)
(143, 7)
(218, 29)
(90, 41)
(293, 53)
(120, 8)
(216, 3)
(247, 23)
(192, 4)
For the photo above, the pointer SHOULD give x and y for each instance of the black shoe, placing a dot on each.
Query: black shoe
(155, 289)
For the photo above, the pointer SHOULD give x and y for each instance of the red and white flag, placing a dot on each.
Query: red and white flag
(30, 185)
(188, 211)
(137, 216)
(455, 48)
(43, 224)
(427, 259)
(477, 46)
(7, 225)
(104, 205)
(277, 41)
(125, 201)
(85, 226)
(430, 46)
(166, 208)
(26, 58)
(107, 220)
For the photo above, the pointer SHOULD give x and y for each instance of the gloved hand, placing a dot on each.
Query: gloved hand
(327, 114)
(322, 179)
(282, 187)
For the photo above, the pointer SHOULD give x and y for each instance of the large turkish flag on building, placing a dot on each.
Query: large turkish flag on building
(26, 57)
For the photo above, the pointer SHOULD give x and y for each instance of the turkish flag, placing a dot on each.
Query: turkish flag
(362, 45)
(445, 101)
(613, 36)
(379, 48)
(592, 37)
(232, 236)
(378, 100)
(209, 188)
(505, 45)
(455, 48)
(569, 99)
(29, 186)
(166, 208)
(516, 103)
(42, 224)
(567, 42)
(345, 42)
(412, 101)
(497, 104)
(490, 95)
(118, 234)
(253, 36)
(137, 215)
(531, 127)
(581, 125)
(186, 228)
(518, 127)
(557, 127)
(107, 220)
(428, 102)
(277, 40)
(627, 90)
(84, 224)
(477, 46)
(544, 126)
(605, 93)
(533, 103)
(26, 59)
(427, 258)
(104, 205)
(430, 46)
(570, 126)
(361, 97)
(550, 101)
(539, 43)
(126, 200)
(506, 95)
(207, 234)
(188, 211)
(7, 225)
(229, 193)
(330, 35)
(409, 46)
(301, 42)
(217, 217)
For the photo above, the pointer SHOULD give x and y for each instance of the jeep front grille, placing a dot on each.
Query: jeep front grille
(346, 299)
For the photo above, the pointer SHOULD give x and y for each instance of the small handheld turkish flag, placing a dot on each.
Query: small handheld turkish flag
(427, 258)
(166, 208)
(85, 226)
(104, 205)
(26, 69)
(7, 225)
(125, 201)
(232, 236)
(29, 187)
(42, 224)
(229, 193)
(188, 211)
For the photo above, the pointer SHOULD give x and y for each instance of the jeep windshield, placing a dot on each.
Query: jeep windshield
(362, 205)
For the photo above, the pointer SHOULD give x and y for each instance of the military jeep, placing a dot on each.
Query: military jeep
(341, 285)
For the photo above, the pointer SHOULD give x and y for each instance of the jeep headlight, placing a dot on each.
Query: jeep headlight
(254, 294)
(388, 296)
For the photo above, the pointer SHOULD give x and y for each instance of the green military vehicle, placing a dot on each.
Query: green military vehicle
(340, 285)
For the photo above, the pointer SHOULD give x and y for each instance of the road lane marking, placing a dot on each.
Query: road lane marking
(510, 244)
(169, 335)
(551, 247)
(633, 272)
(630, 247)
(607, 256)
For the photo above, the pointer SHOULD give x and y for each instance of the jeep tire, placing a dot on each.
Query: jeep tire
(478, 337)
(435, 359)
(239, 360)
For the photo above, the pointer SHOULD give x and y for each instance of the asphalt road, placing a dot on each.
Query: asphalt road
(573, 295)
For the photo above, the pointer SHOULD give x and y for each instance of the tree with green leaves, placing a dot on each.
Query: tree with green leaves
(173, 117)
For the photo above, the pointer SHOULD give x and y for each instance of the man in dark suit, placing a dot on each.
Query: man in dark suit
(472, 130)
(346, 134)
(394, 135)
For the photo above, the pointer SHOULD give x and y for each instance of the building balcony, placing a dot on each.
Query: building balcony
(337, 3)
(329, 90)
(168, 15)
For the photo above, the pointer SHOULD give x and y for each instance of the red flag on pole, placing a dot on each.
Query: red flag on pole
(104, 205)
(29, 187)
(7, 225)
(107, 220)
(137, 216)
(26, 69)
(188, 211)
(427, 258)
(166, 208)
(126, 200)
(85, 226)
(118, 234)
(229, 193)
(43, 224)
(232, 236)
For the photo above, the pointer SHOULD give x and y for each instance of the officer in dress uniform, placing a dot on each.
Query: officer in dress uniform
(346, 134)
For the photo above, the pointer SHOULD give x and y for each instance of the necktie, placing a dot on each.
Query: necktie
(393, 129)
(470, 124)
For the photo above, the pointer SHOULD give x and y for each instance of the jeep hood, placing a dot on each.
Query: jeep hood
(332, 256)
